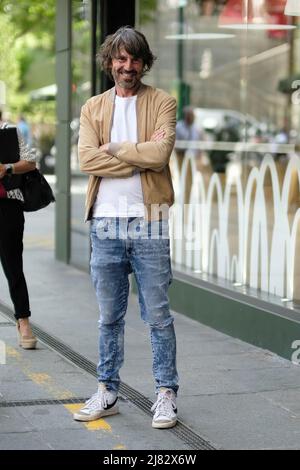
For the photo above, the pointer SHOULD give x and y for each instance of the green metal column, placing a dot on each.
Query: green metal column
(62, 167)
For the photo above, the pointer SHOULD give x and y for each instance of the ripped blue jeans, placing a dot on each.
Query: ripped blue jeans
(121, 246)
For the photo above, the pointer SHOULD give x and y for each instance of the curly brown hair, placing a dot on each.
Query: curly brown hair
(134, 43)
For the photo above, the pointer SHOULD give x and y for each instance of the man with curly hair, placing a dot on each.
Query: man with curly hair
(126, 138)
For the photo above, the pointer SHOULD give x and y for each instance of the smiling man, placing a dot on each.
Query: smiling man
(127, 72)
(126, 139)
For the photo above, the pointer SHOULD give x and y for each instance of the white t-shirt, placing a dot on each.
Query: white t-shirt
(121, 197)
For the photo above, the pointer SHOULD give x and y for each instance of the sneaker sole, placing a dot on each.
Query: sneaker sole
(168, 425)
(85, 418)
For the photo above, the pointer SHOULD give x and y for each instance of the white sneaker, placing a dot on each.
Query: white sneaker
(165, 415)
(102, 403)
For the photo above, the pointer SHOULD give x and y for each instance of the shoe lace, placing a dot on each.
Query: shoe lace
(165, 404)
(98, 400)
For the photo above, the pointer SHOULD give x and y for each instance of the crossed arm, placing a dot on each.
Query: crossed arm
(126, 158)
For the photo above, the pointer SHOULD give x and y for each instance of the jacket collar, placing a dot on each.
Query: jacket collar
(140, 92)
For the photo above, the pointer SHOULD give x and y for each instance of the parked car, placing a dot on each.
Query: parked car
(48, 153)
(211, 121)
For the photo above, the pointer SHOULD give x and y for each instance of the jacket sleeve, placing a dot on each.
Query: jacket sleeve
(92, 160)
(153, 155)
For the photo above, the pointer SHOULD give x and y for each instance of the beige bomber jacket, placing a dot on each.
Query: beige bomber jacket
(155, 110)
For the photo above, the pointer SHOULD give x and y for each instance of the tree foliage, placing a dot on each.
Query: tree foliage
(30, 16)
(147, 11)
(27, 32)
(9, 70)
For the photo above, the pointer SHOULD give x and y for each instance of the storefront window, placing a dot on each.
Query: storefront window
(234, 67)
(81, 91)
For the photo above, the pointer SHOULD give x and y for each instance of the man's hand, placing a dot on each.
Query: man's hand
(158, 135)
(111, 148)
(105, 148)
(2, 171)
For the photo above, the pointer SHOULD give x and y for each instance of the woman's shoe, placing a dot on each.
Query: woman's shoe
(26, 342)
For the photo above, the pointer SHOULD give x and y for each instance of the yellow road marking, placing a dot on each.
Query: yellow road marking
(11, 352)
(74, 407)
(47, 382)
(99, 424)
(40, 378)
(38, 242)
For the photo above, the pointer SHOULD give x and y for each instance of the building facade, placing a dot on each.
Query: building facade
(234, 67)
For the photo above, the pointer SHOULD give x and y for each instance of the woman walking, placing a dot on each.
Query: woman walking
(11, 239)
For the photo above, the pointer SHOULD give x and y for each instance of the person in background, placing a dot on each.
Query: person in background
(187, 133)
(229, 132)
(186, 128)
(11, 240)
(25, 130)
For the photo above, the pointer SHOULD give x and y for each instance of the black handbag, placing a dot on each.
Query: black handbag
(10, 153)
(36, 191)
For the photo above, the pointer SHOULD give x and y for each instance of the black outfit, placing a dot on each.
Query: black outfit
(11, 254)
(220, 158)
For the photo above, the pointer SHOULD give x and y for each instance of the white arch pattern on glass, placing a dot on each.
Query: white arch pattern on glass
(202, 248)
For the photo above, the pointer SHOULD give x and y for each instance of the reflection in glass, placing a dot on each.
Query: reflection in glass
(253, 15)
(81, 91)
(235, 163)
(292, 8)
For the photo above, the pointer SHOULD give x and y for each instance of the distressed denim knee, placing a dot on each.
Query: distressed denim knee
(156, 318)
